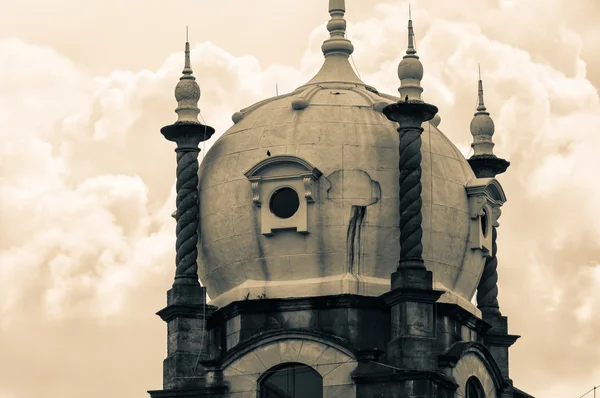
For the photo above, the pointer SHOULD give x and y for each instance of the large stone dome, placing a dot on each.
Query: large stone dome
(330, 137)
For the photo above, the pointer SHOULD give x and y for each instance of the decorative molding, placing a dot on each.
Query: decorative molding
(500, 340)
(308, 189)
(255, 193)
(486, 196)
(496, 213)
(461, 348)
(246, 307)
(276, 172)
(476, 207)
(256, 169)
(463, 316)
(489, 187)
(274, 336)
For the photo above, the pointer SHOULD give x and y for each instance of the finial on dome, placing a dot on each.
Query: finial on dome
(480, 104)
(410, 70)
(483, 161)
(337, 42)
(482, 126)
(411, 34)
(187, 91)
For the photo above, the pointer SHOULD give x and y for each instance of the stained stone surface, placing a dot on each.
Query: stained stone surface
(467, 366)
(335, 366)
(356, 148)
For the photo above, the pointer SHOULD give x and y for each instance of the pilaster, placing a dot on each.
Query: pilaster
(411, 300)
(499, 341)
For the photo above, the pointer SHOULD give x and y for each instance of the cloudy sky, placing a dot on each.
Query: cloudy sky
(87, 180)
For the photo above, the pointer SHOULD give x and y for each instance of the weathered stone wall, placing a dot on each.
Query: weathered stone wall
(333, 364)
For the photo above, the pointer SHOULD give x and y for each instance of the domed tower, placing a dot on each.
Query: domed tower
(341, 237)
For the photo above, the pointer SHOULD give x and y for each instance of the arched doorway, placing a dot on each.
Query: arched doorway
(474, 388)
(291, 380)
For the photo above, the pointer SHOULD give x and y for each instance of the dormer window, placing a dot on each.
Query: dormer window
(285, 184)
(485, 199)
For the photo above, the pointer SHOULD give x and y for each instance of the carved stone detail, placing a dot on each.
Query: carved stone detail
(255, 193)
(308, 190)
(485, 198)
(274, 173)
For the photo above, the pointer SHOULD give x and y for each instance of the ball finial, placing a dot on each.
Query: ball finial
(410, 70)
(187, 92)
(482, 126)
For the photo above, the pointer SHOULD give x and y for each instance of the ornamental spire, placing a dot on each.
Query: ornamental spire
(187, 91)
(482, 126)
(411, 35)
(480, 104)
(483, 162)
(410, 70)
(337, 42)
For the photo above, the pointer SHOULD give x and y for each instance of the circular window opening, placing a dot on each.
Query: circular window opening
(484, 223)
(284, 203)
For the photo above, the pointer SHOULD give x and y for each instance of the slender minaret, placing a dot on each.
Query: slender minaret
(412, 291)
(186, 311)
(485, 165)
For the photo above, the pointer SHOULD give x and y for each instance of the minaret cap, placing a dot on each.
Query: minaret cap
(482, 127)
(187, 92)
(410, 70)
(337, 42)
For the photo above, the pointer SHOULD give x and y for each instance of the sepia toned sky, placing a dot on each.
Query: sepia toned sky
(87, 180)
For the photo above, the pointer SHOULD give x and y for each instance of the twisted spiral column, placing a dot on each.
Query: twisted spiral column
(487, 290)
(410, 114)
(411, 204)
(187, 136)
(187, 216)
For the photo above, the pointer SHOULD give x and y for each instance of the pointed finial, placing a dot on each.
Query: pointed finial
(187, 91)
(484, 162)
(482, 125)
(480, 105)
(187, 69)
(187, 38)
(411, 35)
(337, 42)
(410, 70)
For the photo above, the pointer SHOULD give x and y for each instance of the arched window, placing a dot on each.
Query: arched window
(291, 380)
(474, 388)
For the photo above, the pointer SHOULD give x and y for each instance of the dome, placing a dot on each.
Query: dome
(330, 132)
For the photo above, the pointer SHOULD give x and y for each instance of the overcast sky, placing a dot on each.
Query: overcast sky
(87, 180)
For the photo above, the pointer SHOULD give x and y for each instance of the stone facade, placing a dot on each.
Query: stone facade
(344, 338)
